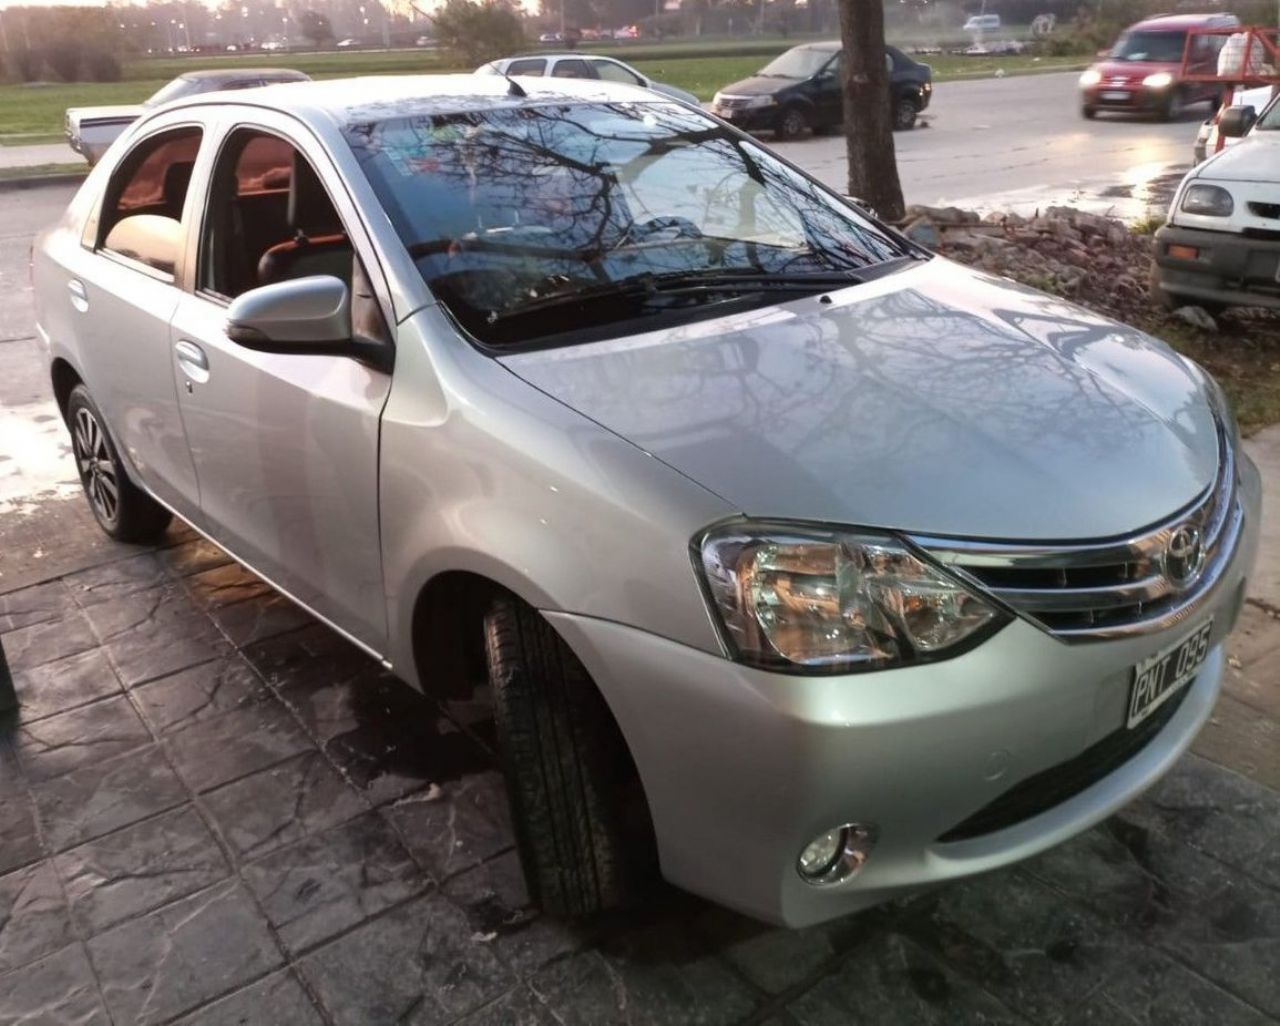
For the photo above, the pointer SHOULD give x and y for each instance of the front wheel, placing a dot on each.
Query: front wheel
(793, 123)
(122, 509)
(1173, 104)
(1088, 113)
(904, 115)
(581, 822)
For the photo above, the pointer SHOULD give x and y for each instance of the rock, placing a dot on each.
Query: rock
(1197, 316)
(923, 231)
(943, 215)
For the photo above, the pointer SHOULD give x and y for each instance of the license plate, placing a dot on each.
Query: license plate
(1115, 94)
(1157, 678)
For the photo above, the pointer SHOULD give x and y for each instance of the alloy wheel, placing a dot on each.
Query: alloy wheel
(98, 472)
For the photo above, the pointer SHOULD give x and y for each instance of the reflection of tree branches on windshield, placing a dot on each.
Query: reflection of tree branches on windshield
(505, 205)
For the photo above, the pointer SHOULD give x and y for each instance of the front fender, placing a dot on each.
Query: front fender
(483, 473)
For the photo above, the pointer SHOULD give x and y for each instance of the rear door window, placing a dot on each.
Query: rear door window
(146, 197)
(611, 72)
(573, 67)
(529, 66)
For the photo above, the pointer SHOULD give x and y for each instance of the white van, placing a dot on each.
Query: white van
(982, 23)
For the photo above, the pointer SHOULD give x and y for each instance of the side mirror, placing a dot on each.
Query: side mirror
(1236, 122)
(305, 317)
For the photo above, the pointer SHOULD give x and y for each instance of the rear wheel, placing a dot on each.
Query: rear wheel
(581, 822)
(792, 123)
(122, 509)
(904, 114)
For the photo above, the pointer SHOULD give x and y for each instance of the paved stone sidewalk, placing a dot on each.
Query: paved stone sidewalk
(213, 810)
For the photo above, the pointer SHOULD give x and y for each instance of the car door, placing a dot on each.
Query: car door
(827, 94)
(123, 289)
(285, 446)
(527, 66)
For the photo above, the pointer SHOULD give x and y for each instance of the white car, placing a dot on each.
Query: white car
(582, 65)
(1221, 245)
(91, 130)
(1208, 140)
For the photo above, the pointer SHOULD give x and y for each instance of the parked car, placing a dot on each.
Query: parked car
(582, 65)
(982, 23)
(777, 539)
(1208, 140)
(800, 90)
(90, 130)
(1143, 71)
(1221, 245)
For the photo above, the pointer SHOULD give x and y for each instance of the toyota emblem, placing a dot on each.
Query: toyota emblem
(1184, 556)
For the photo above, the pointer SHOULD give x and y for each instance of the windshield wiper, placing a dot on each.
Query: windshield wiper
(685, 283)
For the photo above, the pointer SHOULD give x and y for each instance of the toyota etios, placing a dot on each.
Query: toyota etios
(805, 566)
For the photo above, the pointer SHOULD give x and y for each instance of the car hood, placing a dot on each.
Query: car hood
(936, 400)
(759, 85)
(123, 113)
(1257, 159)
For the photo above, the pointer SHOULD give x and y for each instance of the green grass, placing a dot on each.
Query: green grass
(31, 114)
(43, 170)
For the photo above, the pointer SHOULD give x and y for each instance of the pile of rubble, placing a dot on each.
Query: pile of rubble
(1093, 259)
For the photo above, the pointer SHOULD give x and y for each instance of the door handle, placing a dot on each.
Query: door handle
(79, 295)
(191, 358)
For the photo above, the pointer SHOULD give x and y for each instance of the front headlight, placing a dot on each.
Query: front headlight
(760, 101)
(1091, 77)
(815, 600)
(1208, 201)
(1159, 80)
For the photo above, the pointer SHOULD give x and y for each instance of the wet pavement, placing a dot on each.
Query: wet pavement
(215, 811)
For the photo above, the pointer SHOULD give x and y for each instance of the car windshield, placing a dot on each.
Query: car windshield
(1270, 120)
(571, 219)
(179, 87)
(1150, 47)
(798, 62)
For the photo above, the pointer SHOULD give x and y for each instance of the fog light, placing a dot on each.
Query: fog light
(1184, 252)
(837, 854)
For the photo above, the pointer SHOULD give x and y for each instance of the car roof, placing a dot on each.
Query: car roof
(346, 101)
(231, 74)
(1186, 21)
(558, 55)
(825, 44)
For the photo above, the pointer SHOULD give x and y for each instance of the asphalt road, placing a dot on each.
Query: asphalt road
(1015, 141)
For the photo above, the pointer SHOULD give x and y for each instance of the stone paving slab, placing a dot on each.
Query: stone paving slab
(215, 811)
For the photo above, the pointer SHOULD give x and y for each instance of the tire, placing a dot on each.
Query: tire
(122, 509)
(1088, 113)
(904, 114)
(793, 122)
(582, 826)
(1173, 106)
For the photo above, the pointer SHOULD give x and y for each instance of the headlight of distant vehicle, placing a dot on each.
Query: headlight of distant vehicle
(816, 600)
(1159, 80)
(1208, 200)
(1091, 77)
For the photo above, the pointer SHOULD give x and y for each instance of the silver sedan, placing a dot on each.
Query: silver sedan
(805, 567)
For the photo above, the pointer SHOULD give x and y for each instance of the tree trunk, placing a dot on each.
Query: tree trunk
(868, 112)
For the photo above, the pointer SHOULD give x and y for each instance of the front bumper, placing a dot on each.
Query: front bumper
(750, 119)
(1134, 98)
(1229, 268)
(742, 768)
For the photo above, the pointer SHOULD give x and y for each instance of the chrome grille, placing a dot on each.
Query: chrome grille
(1106, 589)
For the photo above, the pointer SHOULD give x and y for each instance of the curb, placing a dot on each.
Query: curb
(36, 181)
